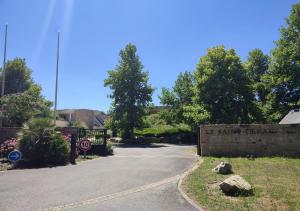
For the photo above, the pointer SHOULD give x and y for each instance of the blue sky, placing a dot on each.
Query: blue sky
(170, 35)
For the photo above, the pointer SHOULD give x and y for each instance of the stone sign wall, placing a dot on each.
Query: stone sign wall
(244, 140)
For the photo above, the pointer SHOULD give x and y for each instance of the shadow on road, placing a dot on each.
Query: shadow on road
(139, 145)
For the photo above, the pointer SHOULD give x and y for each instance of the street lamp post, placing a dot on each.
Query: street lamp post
(3, 76)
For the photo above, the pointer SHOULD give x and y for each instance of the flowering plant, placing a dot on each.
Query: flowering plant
(7, 146)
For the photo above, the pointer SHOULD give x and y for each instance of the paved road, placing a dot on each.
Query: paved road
(135, 178)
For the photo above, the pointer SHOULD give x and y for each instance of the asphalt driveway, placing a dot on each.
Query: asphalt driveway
(135, 178)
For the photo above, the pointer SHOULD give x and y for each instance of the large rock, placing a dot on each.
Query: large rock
(236, 185)
(223, 168)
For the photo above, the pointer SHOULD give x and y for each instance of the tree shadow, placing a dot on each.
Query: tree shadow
(140, 145)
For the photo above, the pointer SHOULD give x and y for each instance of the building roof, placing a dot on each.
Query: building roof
(293, 117)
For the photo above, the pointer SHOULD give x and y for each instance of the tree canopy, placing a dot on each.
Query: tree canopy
(22, 99)
(131, 93)
(284, 75)
(176, 98)
(17, 76)
(223, 88)
(257, 66)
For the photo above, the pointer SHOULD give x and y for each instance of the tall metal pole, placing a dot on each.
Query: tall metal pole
(3, 76)
(56, 81)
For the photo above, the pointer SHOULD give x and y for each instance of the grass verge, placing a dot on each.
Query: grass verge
(275, 181)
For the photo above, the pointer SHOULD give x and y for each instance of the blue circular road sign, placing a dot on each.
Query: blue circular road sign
(15, 156)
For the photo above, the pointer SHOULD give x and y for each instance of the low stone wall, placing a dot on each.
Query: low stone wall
(247, 140)
(9, 132)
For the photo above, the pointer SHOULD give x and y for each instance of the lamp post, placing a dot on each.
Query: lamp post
(3, 76)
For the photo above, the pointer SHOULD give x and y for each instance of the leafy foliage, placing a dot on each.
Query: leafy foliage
(165, 130)
(22, 99)
(284, 75)
(20, 107)
(131, 92)
(17, 76)
(223, 88)
(176, 99)
(257, 67)
(42, 146)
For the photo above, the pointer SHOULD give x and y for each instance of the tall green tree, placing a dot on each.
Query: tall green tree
(284, 76)
(176, 98)
(22, 99)
(257, 66)
(17, 76)
(131, 93)
(223, 88)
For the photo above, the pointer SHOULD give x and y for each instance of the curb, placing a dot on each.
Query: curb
(179, 186)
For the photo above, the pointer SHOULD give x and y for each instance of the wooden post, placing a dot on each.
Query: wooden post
(199, 143)
(105, 137)
(73, 148)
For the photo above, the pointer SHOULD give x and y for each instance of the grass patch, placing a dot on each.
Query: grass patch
(275, 181)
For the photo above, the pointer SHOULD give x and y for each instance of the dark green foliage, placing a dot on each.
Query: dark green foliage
(131, 92)
(20, 107)
(257, 67)
(17, 76)
(42, 146)
(284, 75)
(22, 99)
(223, 88)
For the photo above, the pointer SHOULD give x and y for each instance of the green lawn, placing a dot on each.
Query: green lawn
(276, 183)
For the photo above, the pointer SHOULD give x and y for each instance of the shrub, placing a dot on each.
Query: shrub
(7, 146)
(42, 146)
(163, 130)
(109, 149)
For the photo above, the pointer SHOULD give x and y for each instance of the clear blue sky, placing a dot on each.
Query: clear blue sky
(170, 36)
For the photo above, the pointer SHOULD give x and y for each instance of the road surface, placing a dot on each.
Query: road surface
(135, 178)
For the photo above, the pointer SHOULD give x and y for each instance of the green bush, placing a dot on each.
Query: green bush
(163, 130)
(42, 146)
(109, 149)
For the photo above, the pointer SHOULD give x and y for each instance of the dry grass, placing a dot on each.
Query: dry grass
(276, 183)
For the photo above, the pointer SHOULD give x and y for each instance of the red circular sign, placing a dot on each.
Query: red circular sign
(85, 145)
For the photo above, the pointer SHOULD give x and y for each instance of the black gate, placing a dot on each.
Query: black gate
(97, 137)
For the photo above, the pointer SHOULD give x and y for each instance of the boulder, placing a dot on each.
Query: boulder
(235, 186)
(223, 168)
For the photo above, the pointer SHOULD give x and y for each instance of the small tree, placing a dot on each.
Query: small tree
(174, 100)
(131, 93)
